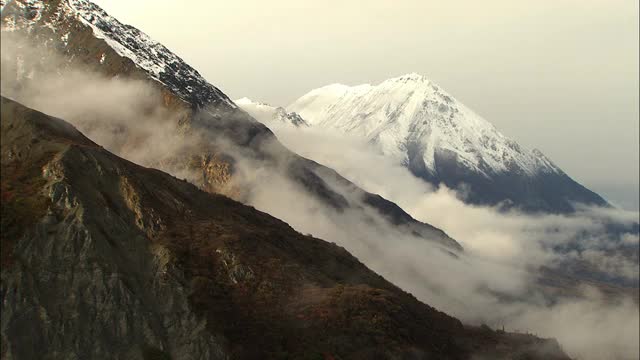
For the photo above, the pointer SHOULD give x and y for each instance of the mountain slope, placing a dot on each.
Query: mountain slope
(105, 258)
(416, 123)
(270, 115)
(83, 35)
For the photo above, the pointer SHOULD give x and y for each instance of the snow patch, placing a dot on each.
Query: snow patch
(65, 39)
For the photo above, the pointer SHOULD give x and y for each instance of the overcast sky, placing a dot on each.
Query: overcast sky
(557, 75)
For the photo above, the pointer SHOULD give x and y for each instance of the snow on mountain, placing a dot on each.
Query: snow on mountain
(149, 55)
(418, 124)
(270, 115)
(409, 113)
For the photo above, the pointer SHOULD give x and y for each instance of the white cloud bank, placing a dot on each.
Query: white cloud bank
(494, 282)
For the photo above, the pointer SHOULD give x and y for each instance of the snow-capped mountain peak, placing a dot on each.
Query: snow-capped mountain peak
(421, 126)
(410, 114)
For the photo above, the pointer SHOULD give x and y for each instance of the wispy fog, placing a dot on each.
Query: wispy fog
(495, 281)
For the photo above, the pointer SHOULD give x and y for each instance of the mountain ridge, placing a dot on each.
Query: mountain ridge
(129, 262)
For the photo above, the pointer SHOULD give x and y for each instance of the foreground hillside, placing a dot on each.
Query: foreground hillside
(104, 258)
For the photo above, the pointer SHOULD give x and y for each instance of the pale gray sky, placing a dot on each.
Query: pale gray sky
(558, 75)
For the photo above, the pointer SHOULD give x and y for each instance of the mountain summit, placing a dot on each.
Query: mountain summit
(415, 122)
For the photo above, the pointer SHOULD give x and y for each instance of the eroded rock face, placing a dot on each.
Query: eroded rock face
(216, 173)
(84, 282)
(69, 298)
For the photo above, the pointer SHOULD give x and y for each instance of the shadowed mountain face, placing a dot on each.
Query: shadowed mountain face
(419, 125)
(104, 258)
(220, 135)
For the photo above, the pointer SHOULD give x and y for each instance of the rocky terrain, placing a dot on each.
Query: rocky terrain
(104, 258)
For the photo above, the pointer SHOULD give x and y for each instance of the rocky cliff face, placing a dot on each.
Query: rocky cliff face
(83, 35)
(81, 279)
(102, 258)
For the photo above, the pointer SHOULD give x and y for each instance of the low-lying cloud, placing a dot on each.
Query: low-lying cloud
(496, 279)
(122, 115)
